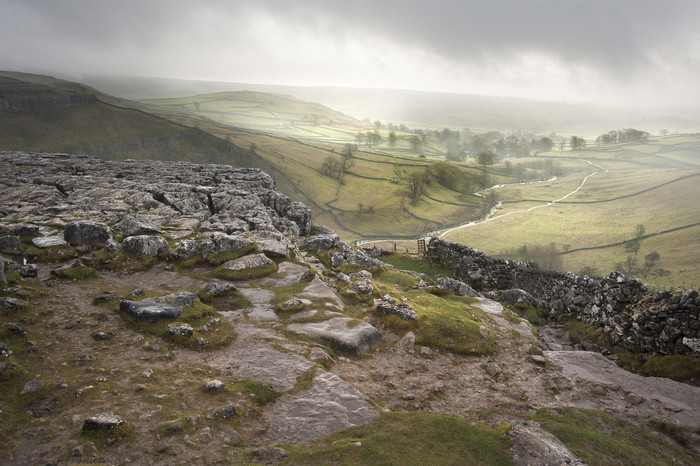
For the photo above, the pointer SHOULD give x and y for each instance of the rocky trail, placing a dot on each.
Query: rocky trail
(260, 356)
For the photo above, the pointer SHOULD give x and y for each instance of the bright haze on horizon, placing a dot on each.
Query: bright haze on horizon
(627, 53)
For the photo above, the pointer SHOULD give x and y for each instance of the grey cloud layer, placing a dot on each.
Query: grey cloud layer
(617, 39)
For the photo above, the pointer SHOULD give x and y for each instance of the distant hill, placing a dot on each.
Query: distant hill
(268, 112)
(41, 113)
(422, 109)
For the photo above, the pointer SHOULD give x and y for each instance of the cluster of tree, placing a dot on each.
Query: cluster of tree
(370, 138)
(417, 182)
(334, 166)
(577, 143)
(620, 136)
(631, 263)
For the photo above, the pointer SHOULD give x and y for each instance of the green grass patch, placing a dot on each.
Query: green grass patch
(449, 324)
(305, 380)
(421, 265)
(534, 315)
(76, 273)
(409, 439)
(244, 274)
(678, 367)
(52, 254)
(260, 393)
(601, 439)
(402, 280)
(198, 315)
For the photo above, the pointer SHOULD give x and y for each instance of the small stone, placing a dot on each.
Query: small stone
(214, 386)
(539, 360)
(147, 373)
(48, 242)
(493, 369)
(31, 386)
(17, 327)
(634, 398)
(425, 351)
(231, 437)
(408, 397)
(101, 336)
(407, 341)
(102, 422)
(317, 354)
(222, 412)
(180, 329)
(598, 391)
(139, 388)
(162, 446)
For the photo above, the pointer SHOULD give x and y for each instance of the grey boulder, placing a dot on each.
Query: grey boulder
(155, 246)
(86, 231)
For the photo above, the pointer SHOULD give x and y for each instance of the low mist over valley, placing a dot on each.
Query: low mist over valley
(369, 233)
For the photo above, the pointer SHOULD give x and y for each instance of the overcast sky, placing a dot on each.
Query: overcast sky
(622, 52)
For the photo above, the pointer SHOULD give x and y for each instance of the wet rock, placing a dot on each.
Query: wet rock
(155, 246)
(103, 422)
(342, 333)
(153, 309)
(533, 445)
(86, 231)
(180, 329)
(134, 226)
(9, 242)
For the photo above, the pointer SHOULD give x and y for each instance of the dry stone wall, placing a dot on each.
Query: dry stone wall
(631, 315)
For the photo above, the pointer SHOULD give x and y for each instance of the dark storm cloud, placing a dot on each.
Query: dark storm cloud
(568, 46)
(618, 37)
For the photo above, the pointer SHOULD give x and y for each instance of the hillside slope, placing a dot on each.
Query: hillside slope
(40, 113)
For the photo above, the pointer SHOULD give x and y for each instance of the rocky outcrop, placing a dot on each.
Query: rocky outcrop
(622, 306)
(178, 197)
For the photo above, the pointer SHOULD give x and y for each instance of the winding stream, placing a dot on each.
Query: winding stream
(491, 215)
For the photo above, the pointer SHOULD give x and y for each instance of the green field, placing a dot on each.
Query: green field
(587, 213)
(656, 185)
